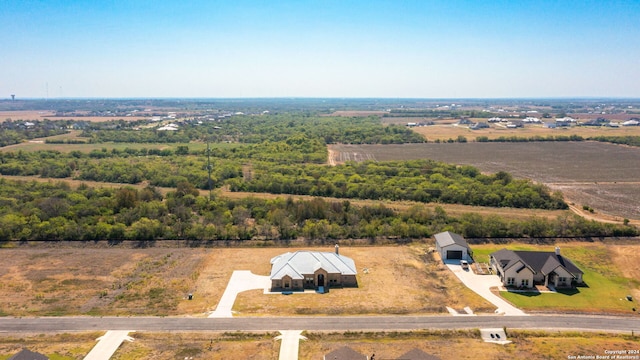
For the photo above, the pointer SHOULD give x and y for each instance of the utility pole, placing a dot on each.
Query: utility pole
(209, 167)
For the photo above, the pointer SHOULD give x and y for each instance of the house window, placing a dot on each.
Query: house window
(511, 281)
(524, 283)
(562, 280)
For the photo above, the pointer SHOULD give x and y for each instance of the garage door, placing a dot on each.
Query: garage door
(454, 254)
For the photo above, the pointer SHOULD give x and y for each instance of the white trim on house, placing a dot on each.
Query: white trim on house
(311, 269)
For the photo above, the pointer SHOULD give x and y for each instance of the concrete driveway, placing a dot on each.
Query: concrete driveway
(241, 280)
(290, 344)
(481, 285)
(108, 344)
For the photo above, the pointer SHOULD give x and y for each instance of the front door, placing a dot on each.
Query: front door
(320, 280)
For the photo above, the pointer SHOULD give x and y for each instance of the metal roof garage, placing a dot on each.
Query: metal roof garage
(452, 246)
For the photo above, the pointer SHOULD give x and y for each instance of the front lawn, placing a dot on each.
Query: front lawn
(605, 287)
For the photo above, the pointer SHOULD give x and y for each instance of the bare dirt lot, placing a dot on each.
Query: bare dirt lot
(96, 281)
(156, 281)
(601, 175)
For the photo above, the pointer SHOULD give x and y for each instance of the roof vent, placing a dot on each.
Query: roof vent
(557, 251)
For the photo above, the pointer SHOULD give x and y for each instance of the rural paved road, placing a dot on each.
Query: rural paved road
(333, 323)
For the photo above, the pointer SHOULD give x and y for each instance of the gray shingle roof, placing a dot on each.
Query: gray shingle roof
(543, 262)
(448, 238)
(345, 353)
(304, 262)
(417, 354)
(547, 261)
(26, 354)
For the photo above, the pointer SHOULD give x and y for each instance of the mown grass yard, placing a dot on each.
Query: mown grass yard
(607, 284)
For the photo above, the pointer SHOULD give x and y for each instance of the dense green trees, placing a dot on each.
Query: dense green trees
(281, 154)
(258, 129)
(13, 132)
(417, 180)
(53, 211)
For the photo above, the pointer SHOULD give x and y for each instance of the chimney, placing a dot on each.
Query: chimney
(557, 251)
(337, 249)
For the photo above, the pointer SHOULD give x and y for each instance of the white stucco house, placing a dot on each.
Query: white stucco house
(311, 270)
(452, 246)
(525, 269)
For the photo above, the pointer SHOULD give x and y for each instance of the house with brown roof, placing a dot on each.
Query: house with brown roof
(526, 269)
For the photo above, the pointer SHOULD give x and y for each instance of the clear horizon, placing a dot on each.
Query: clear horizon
(320, 49)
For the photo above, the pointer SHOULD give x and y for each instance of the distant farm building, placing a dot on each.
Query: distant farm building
(169, 127)
(452, 246)
(312, 270)
(479, 125)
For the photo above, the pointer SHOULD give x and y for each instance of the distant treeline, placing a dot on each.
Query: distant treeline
(440, 113)
(18, 135)
(623, 140)
(258, 129)
(53, 211)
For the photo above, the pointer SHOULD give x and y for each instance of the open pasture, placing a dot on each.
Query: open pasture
(578, 168)
(40, 144)
(445, 129)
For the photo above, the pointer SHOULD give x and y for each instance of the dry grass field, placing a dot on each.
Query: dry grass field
(87, 279)
(398, 280)
(605, 173)
(96, 281)
(57, 346)
(357, 113)
(447, 129)
(257, 346)
(29, 115)
(40, 145)
(155, 281)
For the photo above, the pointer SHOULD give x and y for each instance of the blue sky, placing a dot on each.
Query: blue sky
(328, 48)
